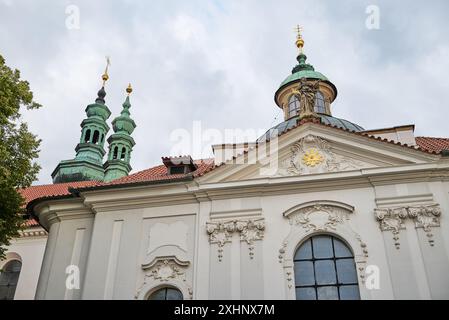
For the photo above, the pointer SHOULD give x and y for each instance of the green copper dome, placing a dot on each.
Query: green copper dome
(304, 74)
(325, 119)
(303, 70)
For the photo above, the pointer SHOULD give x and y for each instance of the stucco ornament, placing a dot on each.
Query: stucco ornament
(164, 270)
(426, 216)
(318, 217)
(220, 233)
(312, 154)
(312, 158)
(250, 230)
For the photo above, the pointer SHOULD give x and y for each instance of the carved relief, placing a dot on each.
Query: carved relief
(164, 270)
(313, 154)
(221, 232)
(250, 231)
(318, 217)
(424, 216)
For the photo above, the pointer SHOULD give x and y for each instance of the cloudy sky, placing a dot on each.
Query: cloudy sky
(219, 62)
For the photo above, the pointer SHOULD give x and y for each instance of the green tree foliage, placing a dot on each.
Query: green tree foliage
(18, 149)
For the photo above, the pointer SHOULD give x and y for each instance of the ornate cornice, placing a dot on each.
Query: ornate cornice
(426, 216)
(29, 233)
(250, 230)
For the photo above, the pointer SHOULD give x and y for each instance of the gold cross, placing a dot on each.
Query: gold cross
(105, 76)
(298, 31)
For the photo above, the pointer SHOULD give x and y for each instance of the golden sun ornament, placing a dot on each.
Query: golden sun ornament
(312, 158)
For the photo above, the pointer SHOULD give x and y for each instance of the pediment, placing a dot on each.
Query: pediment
(314, 150)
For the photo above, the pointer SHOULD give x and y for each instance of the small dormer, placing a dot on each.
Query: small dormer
(179, 165)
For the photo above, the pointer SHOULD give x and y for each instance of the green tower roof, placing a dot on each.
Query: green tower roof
(303, 70)
(120, 143)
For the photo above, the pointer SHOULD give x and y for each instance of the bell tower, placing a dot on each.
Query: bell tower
(88, 162)
(120, 143)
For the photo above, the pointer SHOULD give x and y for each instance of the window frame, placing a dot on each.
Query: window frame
(293, 100)
(319, 96)
(334, 259)
(8, 285)
(165, 288)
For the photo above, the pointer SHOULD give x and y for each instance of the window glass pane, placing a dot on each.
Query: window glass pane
(322, 247)
(327, 293)
(341, 250)
(305, 294)
(305, 251)
(304, 273)
(3, 292)
(319, 103)
(346, 271)
(349, 293)
(174, 294)
(4, 279)
(325, 272)
(158, 295)
(325, 269)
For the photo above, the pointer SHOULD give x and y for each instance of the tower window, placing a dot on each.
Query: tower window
(115, 153)
(102, 137)
(87, 136)
(9, 278)
(319, 103)
(123, 153)
(293, 106)
(325, 270)
(95, 137)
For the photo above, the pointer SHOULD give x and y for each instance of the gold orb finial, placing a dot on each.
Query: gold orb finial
(129, 89)
(299, 40)
(105, 75)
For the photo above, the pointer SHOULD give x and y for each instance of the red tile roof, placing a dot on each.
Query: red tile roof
(160, 173)
(433, 144)
(49, 190)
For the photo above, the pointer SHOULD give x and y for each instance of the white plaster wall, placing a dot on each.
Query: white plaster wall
(31, 252)
(120, 240)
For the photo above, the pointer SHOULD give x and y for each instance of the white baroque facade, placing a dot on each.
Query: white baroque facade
(232, 233)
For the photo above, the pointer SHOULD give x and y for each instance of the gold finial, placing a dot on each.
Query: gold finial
(299, 40)
(129, 89)
(105, 75)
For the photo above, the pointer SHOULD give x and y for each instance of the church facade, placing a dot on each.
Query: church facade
(317, 208)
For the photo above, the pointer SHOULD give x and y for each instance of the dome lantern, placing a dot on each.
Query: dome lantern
(287, 97)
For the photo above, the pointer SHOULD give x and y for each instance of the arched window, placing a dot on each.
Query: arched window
(115, 154)
(166, 293)
(9, 277)
(87, 136)
(325, 269)
(96, 137)
(320, 106)
(293, 106)
(123, 153)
